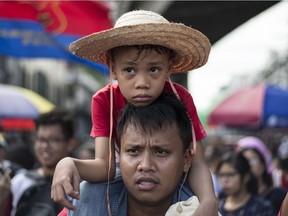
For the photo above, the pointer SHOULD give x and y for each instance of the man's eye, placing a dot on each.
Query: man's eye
(161, 152)
(133, 151)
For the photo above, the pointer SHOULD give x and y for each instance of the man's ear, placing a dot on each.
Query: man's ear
(112, 70)
(188, 157)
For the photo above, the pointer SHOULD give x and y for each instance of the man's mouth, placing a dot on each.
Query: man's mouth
(146, 184)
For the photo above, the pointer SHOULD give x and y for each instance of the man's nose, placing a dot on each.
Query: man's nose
(146, 163)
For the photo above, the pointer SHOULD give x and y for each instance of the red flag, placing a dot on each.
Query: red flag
(69, 17)
(45, 28)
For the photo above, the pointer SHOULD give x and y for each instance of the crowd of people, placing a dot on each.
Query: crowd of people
(148, 157)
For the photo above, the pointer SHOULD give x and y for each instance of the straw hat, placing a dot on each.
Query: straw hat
(145, 27)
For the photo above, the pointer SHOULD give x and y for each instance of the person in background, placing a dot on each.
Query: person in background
(259, 158)
(212, 155)
(85, 151)
(280, 176)
(5, 195)
(54, 140)
(21, 157)
(240, 188)
(5, 180)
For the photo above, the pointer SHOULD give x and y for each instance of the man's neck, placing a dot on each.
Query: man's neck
(139, 209)
(45, 171)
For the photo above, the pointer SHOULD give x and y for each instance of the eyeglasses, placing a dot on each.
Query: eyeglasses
(222, 176)
(50, 141)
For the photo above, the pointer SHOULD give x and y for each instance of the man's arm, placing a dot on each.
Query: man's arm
(200, 181)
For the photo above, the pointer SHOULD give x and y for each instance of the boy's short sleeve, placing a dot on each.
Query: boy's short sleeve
(186, 97)
(100, 115)
(100, 110)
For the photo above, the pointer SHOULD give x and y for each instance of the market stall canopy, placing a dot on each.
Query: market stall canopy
(254, 106)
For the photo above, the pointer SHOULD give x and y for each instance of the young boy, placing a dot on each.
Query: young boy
(141, 51)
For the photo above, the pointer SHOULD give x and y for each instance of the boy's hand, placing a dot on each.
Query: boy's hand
(207, 207)
(66, 181)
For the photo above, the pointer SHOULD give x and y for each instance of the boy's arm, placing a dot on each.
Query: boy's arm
(70, 171)
(200, 181)
(97, 170)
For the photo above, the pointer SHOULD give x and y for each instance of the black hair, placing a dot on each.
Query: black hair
(266, 177)
(144, 48)
(164, 112)
(58, 116)
(242, 166)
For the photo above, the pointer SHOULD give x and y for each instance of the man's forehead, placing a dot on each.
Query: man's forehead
(137, 136)
(51, 128)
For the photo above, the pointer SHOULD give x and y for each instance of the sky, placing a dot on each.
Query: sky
(244, 51)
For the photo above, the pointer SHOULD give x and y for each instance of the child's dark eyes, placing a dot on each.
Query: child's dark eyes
(129, 70)
(154, 70)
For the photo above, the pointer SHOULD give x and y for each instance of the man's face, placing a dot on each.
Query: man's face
(152, 165)
(50, 145)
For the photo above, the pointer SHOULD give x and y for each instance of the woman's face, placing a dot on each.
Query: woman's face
(230, 180)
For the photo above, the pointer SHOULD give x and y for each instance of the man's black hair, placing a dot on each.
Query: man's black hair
(164, 112)
(62, 117)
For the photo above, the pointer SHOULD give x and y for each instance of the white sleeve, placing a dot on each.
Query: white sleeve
(19, 183)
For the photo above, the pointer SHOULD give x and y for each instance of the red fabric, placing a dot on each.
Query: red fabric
(64, 212)
(7, 205)
(241, 108)
(17, 124)
(69, 17)
(101, 111)
(284, 181)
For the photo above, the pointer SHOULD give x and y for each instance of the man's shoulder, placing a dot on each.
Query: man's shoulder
(21, 181)
(36, 197)
(260, 205)
(86, 204)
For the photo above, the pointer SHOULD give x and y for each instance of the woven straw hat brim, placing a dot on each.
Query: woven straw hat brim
(192, 47)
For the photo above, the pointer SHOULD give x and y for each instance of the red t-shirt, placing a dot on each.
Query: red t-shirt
(100, 109)
(64, 212)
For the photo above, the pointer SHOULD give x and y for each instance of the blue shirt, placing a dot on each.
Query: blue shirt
(93, 199)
